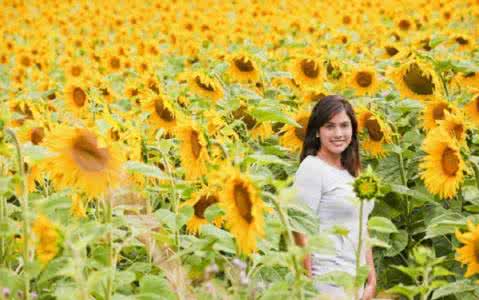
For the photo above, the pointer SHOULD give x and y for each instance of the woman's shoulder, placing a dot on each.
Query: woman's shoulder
(310, 164)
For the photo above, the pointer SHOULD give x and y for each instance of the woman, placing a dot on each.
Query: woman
(329, 162)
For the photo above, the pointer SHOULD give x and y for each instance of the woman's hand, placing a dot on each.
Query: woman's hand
(369, 291)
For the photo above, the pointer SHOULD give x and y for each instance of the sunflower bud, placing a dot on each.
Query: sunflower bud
(366, 186)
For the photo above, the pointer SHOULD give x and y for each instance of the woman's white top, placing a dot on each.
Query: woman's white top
(328, 191)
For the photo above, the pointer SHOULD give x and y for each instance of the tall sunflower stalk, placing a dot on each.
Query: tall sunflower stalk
(366, 187)
(25, 212)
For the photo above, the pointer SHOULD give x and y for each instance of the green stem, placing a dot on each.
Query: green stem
(176, 208)
(476, 174)
(358, 250)
(284, 220)
(24, 204)
(108, 222)
(3, 218)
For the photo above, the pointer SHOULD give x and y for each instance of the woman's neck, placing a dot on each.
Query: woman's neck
(331, 158)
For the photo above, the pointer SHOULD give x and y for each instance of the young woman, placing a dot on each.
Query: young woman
(329, 162)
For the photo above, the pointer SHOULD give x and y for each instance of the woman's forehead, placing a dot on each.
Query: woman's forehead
(340, 117)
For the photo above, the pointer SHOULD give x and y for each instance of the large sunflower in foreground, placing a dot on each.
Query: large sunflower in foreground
(243, 68)
(435, 111)
(307, 71)
(417, 80)
(243, 211)
(376, 132)
(442, 169)
(193, 151)
(469, 253)
(82, 161)
(293, 137)
(364, 80)
(200, 202)
(472, 109)
(206, 86)
(162, 113)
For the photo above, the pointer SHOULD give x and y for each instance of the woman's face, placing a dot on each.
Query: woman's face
(335, 135)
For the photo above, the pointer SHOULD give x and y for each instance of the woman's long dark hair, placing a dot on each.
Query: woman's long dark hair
(322, 112)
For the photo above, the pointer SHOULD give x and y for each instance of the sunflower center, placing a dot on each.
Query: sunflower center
(25, 61)
(76, 71)
(438, 111)
(195, 143)
(206, 86)
(203, 204)
(458, 131)
(450, 162)
(243, 202)
(462, 41)
(242, 114)
(404, 25)
(87, 154)
(417, 82)
(243, 64)
(301, 132)
(163, 112)
(79, 96)
(374, 130)
(364, 79)
(391, 51)
(310, 68)
(37, 135)
(114, 63)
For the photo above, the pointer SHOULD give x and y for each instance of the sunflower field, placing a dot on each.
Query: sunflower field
(148, 148)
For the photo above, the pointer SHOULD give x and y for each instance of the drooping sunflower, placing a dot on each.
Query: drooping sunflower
(417, 80)
(375, 131)
(83, 160)
(469, 253)
(76, 98)
(293, 137)
(313, 95)
(162, 113)
(472, 109)
(442, 168)
(435, 111)
(364, 80)
(243, 211)
(47, 238)
(200, 202)
(307, 71)
(455, 125)
(243, 68)
(193, 151)
(257, 129)
(206, 86)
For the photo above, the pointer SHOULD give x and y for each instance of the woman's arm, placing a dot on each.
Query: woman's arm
(301, 240)
(370, 290)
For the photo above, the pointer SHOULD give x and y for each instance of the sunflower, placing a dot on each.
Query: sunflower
(455, 125)
(364, 80)
(313, 95)
(243, 211)
(417, 80)
(463, 41)
(307, 71)
(32, 132)
(293, 137)
(77, 207)
(442, 168)
(472, 109)
(82, 160)
(257, 129)
(468, 80)
(48, 238)
(193, 152)
(76, 97)
(243, 68)
(376, 132)
(200, 202)
(435, 111)
(162, 113)
(469, 253)
(206, 86)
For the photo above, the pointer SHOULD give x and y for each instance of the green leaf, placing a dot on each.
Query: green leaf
(265, 114)
(381, 224)
(144, 169)
(444, 224)
(421, 197)
(374, 242)
(412, 272)
(454, 288)
(34, 153)
(153, 287)
(405, 290)
(441, 271)
(266, 159)
(398, 242)
(213, 211)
